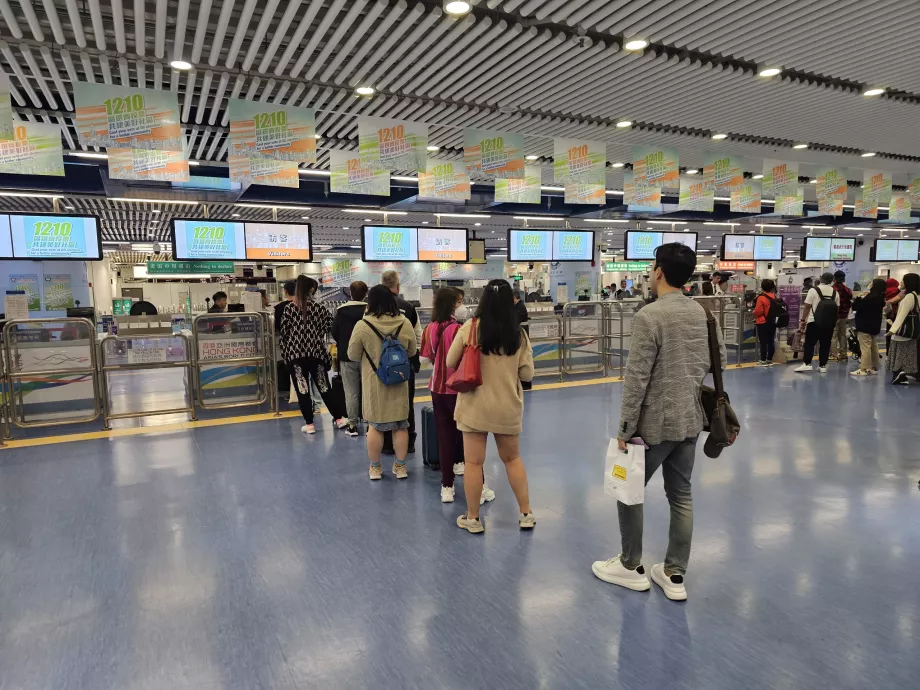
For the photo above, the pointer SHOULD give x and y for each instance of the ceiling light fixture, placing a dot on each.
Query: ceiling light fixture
(868, 154)
(403, 178)
(606, 220)
(311, 171)
(800, 146)
(812, 181)
(532, 157)
(769, 72)
(555, 219)
(269, 207)
(719, 137)
(758, 176)
(317, 136)
(692, 171)
(180, 64)
(624, 123)
(635, 44)
(365, 91)
(87, 154)
(374, 211)
(617, 165)
(875, 91)
(457, 8)
(132, 200)
(235, 215)
(477, 224)
(552, 189)
(663, 222)
(434, 149)
(463, 215)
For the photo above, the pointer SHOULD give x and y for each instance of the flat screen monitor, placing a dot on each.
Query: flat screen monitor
(843, 249)
(886, 250)
(908, 250)
(54, 237)
(220, 240)
(278, 241)
(6, 242)
(530, 245)
(641, 245)
(443, 244)
(752, 247)
(573, 245)
(389, 243)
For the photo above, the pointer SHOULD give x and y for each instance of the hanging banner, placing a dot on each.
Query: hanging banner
(6, 109)
(831, 189)
(34, 150)
(790, 204)
(339, 273)
(746, 198)
(654, 166)
(640, 197)
(27, 283)
(392, 144)
(694, 196)
(127, 118)
(863, 208)
(876, 188)
(444, 180)
(523, 191)
(576, 160)
(264, 171)
(899, 208)
(351, 176)
(58, 291)
(498, 154)
(269, 130)
(585, 193)
(722, 173)
(141, 164)
(780, 178)
(913, 188)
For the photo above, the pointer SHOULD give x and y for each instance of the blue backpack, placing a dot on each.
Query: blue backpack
(394, 365)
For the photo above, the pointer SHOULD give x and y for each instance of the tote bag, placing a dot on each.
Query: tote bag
(468, 376)
(624, 473)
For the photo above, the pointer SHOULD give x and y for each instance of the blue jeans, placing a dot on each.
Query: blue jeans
(676, 461)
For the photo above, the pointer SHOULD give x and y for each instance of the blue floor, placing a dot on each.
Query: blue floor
(248, 556)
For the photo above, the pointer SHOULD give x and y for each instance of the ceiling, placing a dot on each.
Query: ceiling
(542, 68)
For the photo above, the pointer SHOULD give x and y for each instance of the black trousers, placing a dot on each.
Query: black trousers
(822, 338)
(766, 334)
(309, 368)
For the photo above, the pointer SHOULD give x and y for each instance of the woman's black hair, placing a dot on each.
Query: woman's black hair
(878, 287)
(767, 285)
(445, 301)
(499, 330)
(381, 302)
(707, 289)
(304, 291)
(911, 282)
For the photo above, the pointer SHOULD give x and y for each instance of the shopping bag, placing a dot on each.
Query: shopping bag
(624, 473)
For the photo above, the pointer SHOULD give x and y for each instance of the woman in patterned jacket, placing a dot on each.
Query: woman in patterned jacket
(304, 325)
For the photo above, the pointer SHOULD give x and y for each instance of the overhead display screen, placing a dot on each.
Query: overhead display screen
(752, 247)
(389, 243)
(886, 250)
(530, 245)
(6, 243)
(53, 237)
(208, 239)
(908, 250)
(442, 244)
(642, 245)
(278, 241)
(573, 245)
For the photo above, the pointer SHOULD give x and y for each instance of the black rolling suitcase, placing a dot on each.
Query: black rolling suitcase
(337, 392)
(429, 439)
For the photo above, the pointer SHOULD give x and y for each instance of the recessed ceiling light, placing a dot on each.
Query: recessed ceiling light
(708, 237)
(800, 146)
(532, 157)
(876, 91)
(364, 91)
(618, 165)
(624, 123)
(812, 182)
(636, 44)
(868, 154)
(859, 235)
(692, 171)
(69, 208)
(368, 220)
(434, 148)
(317, 136)
(156, 210)
(719, 136)
(424, 222)
(769, 72)
(345, 227)
(757, 177)
(477, 224)
(305, 217)
(180, 64)
(456, 8)
(236, 215)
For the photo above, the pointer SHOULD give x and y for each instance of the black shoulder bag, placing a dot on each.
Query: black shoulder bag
(719, 417)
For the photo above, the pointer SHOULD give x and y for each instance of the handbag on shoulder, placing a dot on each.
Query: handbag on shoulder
(720, 419)
(468, 376)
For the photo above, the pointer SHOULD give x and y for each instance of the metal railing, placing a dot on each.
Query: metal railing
(544, 329)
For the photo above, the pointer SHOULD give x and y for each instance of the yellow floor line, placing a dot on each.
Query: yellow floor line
(266, 416)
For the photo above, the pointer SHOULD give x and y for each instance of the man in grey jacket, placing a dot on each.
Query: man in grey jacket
(668, 360)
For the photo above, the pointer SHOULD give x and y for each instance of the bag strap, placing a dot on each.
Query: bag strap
(715, 359)
(474, 333)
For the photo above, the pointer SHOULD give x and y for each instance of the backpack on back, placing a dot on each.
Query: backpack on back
(825, 311)
(779, 312)
(394, 367)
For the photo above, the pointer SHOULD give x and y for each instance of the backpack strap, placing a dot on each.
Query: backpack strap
(382, 337)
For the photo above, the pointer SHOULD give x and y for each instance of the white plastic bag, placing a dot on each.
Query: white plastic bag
(624, 473)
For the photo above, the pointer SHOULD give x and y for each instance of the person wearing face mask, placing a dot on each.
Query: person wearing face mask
(461, 311)
(660, 404)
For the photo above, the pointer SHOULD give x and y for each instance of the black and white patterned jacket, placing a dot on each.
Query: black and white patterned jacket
(305, 337)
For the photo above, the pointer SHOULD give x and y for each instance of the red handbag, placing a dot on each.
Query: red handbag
(468, 376)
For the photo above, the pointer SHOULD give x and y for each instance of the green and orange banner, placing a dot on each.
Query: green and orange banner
(694, 195)
(34, 150)
(350, 175)
(579, 160)
(780, 178)
(495, 154)
(746, 198)
(143, 164)
(876, 188)
(722, 173)
(264, 171)
(585, 193)
(899, 208)
(444, 180)
(831, 188)
(392, 144)
(640, 197)
(654, 166)
(913, 188)
(269, 130)
(864, 208)
(127, 118)
(790, 204)
(523, 191)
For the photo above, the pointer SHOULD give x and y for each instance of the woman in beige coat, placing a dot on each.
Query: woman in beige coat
(497, 406)
(385, 407)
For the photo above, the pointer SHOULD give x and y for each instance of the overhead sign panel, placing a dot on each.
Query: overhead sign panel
(127, 118)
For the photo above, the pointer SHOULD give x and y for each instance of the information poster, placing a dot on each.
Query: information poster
(530, 245)
(55, 237)
(264, 171)
(444, 180)
(442, 244)
(831, 189)
(497, 154)
(269, 130)
(123, 117)
(578, 160)
(746, 198)
(521, 191)
(654, 166)
(145, 164)
(34, 149)
(899, 208)
(780, 178)
(209, 239)
(392, 144)
(6, 109)
(585, 193)
(640, 197)
(913, 188)
(722, 173)
(339, 273)
(27, 283)
(349, 175)
(389, 243)
(694, 196)
(876, 188)
(58, 291)
(277, 242)
(863, 208)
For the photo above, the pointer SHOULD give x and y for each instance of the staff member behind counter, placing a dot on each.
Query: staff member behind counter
(220, 303)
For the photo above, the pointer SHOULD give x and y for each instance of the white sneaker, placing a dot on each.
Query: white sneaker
(400, 471)
(459, 469)
(447, 494)
(487, 495)
(859, 372)
(873, 372)
(308, 428)
(675, 591)
(342, 422)
(822, 370)
(614, 572)
(527, 521)
(375, 472)
(473, 526)
(804, 368)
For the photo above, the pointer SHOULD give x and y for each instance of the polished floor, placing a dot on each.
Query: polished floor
(249, 557)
